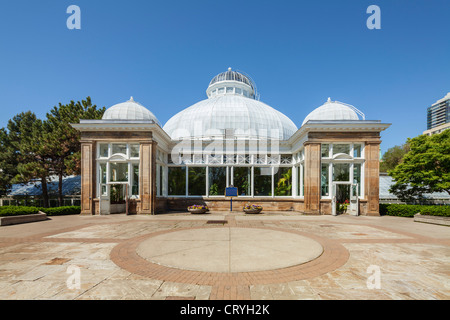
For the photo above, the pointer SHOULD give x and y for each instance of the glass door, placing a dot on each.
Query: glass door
(354, 202)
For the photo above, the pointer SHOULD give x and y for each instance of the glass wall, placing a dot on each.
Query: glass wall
(324, 180)
(197, 181)
(263, 181)
(283, 181)
(242, 180)
(345, 165)
(217, 181)
(135, 185)
(177, 181)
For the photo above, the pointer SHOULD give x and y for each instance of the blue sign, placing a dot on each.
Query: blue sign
(231, 192)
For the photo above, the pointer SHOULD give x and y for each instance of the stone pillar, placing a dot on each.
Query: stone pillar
(88, 178)
(147, 178)
(312, 178)
(372, 177)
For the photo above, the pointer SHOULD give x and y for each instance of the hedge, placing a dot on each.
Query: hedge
(22, 210)
(17, 210)
(61, 211)
(409, 210)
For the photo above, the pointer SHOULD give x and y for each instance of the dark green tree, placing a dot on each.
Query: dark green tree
(25, 135)
(8, 162)
(392, 157)
(63, 140)
(424, 169)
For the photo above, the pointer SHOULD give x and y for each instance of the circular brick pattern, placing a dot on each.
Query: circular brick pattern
(125, 255)
(231, 249)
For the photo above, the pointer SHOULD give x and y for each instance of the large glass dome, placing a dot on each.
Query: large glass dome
(229, 109)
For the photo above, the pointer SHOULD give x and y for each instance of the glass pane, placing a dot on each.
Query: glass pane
(134, 150)
(283, 181)
(119, 148)
(229, 90)
(357, 151)
(197, 181)
(104, 190)
(177, 181)
(103, 172)
(341, 148)
(325, 150)
(300, 179)
(357, 176)
(103, 150)
(324, 180)
(161, 173)
(263, 181)
(341, 172)
(118, 172)
(135, 186)
(217, 181)
(242, 180)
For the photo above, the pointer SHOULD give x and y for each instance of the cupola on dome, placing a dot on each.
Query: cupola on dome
(129, 110)
(334, 110)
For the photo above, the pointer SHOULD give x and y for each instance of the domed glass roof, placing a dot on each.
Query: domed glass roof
(231, 75)
(129, 110)
(248, 118)
(334, 110)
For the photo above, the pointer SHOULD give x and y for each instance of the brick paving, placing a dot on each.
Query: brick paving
(413, 259)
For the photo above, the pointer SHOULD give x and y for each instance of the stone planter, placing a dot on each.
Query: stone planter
(10, 220)
(252, 211)
(198, 211)
(445, 221)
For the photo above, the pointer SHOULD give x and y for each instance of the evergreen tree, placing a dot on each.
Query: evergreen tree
(64, 141)
(25, 135)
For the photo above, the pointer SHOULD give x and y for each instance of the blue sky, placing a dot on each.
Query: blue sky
(164, 53)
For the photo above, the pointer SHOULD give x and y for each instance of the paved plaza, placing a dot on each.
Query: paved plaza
(225, 256)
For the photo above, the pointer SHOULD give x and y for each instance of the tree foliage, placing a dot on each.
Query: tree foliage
(424, 169)
(392, 157)
(33, 150)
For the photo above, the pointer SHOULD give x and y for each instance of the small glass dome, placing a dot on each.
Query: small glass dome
(233, 76)
(232, 82)
(334, 110)
(129, 110)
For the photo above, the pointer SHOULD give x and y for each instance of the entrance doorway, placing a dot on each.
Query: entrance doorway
(113, 198)
(344, 199)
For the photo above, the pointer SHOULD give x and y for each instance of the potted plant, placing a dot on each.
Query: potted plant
(342, 207)
(252, 209)
(196, 208)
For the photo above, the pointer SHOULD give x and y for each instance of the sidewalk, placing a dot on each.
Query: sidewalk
(225, 256)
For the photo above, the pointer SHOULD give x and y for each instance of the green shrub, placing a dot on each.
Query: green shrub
(408, 210)
(22, 210)
(61, 211)
(17, 210)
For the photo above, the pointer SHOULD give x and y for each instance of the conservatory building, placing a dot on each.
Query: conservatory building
(328, 164)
